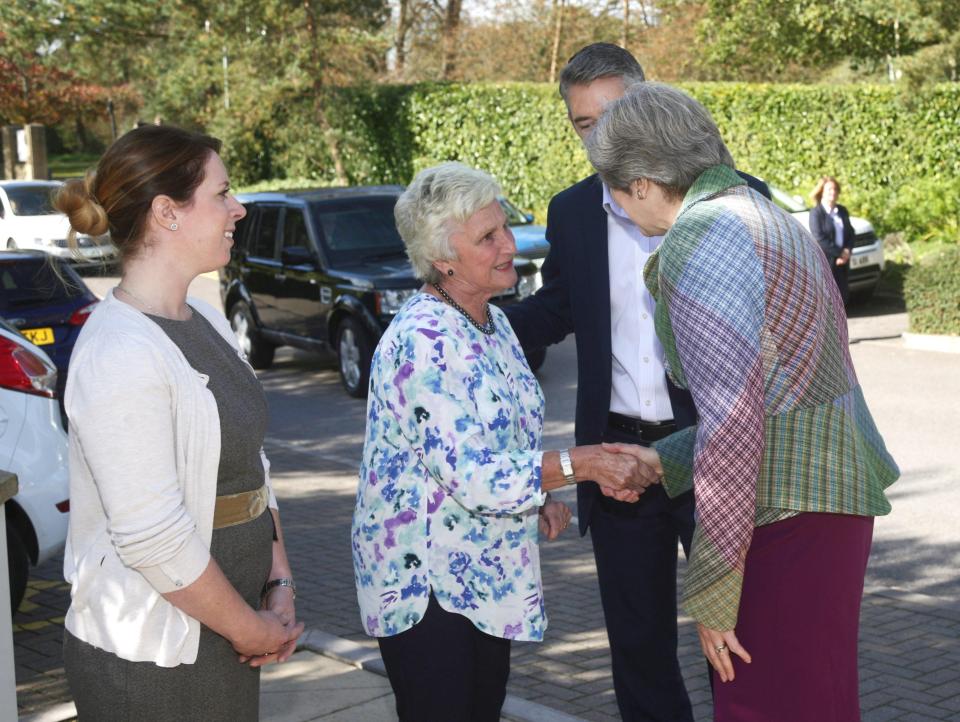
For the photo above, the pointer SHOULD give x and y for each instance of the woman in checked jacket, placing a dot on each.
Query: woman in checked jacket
(787, 466)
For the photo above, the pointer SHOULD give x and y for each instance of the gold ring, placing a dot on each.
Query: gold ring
(721, 648)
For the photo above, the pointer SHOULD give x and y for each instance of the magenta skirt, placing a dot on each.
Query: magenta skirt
(799, 618)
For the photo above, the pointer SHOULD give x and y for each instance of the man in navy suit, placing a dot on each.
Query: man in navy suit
(593, 287)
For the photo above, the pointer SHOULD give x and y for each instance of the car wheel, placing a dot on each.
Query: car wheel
(259, 352)
(18, 563)
(354, 352)
(536, 357)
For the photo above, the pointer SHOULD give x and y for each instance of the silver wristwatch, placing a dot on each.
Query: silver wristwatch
(566, 466)
(283, 582)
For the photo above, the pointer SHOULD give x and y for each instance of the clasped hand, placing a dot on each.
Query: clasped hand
(626, 470)
(278, 633)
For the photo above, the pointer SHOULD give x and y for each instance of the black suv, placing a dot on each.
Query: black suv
(322, 269)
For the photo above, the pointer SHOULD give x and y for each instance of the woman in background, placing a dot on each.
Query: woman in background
(830, 226)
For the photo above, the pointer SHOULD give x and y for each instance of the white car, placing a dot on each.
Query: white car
(28, 220)
(33, 445)
(866, 261)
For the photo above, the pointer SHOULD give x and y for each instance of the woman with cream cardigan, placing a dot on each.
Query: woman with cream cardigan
(179, 578)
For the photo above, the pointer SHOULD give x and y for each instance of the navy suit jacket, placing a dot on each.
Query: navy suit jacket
(575, 298)
(822, 229)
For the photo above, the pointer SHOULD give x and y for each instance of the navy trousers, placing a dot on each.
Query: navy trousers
(635, 547)
(444, 669)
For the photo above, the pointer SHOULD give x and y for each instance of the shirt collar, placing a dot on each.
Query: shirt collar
(612, 207)
(615, 210)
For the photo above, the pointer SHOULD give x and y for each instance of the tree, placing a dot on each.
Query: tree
(404, 23)
(557, 32)
(451, 33)
(625, 35)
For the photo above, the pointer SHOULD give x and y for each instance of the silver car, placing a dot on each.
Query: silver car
(866, 262)
(33, 445)
(28, 220)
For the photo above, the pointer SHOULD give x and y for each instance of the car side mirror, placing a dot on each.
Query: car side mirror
(297, 256)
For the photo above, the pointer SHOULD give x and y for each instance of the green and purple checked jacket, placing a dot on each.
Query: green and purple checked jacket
(752, 324)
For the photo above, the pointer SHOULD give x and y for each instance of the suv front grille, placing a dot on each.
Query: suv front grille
(865, 239)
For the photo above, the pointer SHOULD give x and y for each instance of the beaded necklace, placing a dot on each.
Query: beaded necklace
(487, 329)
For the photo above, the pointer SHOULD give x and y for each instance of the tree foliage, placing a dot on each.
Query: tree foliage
(237, 68)
(761, 39)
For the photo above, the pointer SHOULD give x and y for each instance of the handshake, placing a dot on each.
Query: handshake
(622, 471)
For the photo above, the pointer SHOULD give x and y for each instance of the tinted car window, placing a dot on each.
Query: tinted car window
(357, 228)
(295, 229)
(241, 233)
(264, 243)
(25, 283)
(30, 201)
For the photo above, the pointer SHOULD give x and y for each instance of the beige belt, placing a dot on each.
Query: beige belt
(233, 509)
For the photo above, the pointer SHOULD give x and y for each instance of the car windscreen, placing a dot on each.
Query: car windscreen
(357, 229)
(789, 203)
(31, 282)
(31, 200)
(515, 217)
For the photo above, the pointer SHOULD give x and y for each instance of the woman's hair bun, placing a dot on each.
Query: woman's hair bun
(76, 200)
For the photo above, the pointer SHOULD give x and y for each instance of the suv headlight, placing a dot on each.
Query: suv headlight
(390, 301)
(53, 242)
(528, 285)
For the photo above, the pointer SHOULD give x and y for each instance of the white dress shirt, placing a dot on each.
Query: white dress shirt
(834, 214)
(639, 380)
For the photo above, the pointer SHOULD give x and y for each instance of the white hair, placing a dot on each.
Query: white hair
(436, 199)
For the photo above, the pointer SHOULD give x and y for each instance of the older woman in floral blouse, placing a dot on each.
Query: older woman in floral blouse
(445, 530)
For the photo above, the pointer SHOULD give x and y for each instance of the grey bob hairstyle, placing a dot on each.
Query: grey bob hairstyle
(656, 132)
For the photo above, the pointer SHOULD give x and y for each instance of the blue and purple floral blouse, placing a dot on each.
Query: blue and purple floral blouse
(450, 480)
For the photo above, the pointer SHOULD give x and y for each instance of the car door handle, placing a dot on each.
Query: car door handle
(280, 276)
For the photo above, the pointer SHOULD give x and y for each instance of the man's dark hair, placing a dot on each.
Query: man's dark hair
(599, 60)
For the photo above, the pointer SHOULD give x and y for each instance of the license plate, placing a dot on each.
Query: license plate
(38, 336)
(857, 261)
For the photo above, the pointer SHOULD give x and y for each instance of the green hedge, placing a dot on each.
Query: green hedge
(898, 160)
(932, 293)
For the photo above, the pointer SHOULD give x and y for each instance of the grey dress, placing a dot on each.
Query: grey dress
(216, 687)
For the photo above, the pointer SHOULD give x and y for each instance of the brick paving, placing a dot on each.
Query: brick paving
(909, 651)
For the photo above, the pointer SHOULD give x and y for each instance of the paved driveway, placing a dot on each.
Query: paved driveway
(910, 654)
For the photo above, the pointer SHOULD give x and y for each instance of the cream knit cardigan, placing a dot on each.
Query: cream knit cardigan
(144, 453)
